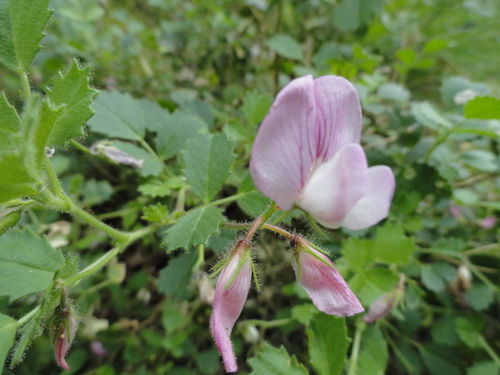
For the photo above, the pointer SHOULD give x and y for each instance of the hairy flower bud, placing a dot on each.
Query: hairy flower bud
(64, 336)
(385, 303)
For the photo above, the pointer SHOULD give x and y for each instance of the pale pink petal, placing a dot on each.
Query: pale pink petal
(327, 289)
(285, 148)
(338, 115)
(380, 307)
(336, 186)
(227, 307)
(63, 341)
(374, 205)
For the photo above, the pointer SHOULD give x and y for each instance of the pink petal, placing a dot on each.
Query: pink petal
(63, 341)
(327, 289)
(336, 186)
(285, 148)
(227, 307)
(338, 115)
(380, 307)
(374, 205)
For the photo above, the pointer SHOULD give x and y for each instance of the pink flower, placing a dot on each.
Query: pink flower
(386, 302)
(307, 153)
(321, 280)
(488, 222)
(231, 293)
(65, 335)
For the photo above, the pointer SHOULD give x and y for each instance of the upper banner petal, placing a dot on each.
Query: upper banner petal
(336, 186)
(285, 148)
(374, 205)
(338, 115)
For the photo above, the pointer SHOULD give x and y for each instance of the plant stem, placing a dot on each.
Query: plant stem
(315, 226)
(92, 220)
(230, 199)
(28, 316)
(25, 86)
(55, 185)
(489, 349)
(97, 265)
(269, 324)
(353, 361)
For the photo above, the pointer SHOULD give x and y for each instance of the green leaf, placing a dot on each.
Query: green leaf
(15, 181)
(27, 263)
(441, 359)
(154, 115)
(208, 159)
(358, 252)
(175, 277)
(484, 368)
(328, 343)
(71, 90)
(254, 202)
(371, 284)
(351, 14)
(469, 330)
(453, 85)
(256, 106)
(96, 192)
(285, 46)
(393, 91)
(199, 108)
(152, 166)
(157, 213)
(374, 354)
(21, 29)
(48, 115)
(175, 132)
(436, 276)
(426, 115)
(118, 115)
(194, 228)
(483, 107)
(272, 361)
(392, 246)
(480, 159)
(9, 120)
(8, 328)
(154, 190)
(479, 296)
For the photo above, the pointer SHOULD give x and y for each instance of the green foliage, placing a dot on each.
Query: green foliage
(23, 253)
(328, 343)
(8, 328)
(351, 14)
(208, 159)
(272, 361)
(21, 30)
(374, 354)
(194, 228)
(285, 46)
(483, 108)
(175, 278)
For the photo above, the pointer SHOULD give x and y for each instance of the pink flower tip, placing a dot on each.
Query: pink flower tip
(385, 303)
(65, 335)
(488, 222)
(231, 293)
(321, 280)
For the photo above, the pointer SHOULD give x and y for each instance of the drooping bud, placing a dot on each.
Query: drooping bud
(321, 280)
(488, 222)
(385, 303)
(231, 293)
(106, 149)
(64, 336)
(461, 283)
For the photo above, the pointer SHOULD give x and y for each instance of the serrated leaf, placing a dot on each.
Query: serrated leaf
(208, 159)
(118, 115)
(374, 354)
(351, 14)
(9, 120)
(27, 263)
(199, 108)
(152, 166)
(358, 252)
(175, 277)
(436, 276)
(483, 107)
(254, 202)
(285, 46)
(194, 228)
(370, 285)
(48, 115)
(479, 296)
(392, 246)
(21, 29)
(157, 213)
(328, 343)
(15, 181)
(71, 90)
(154, 190)
(273, 361)
(8, 327)
(175, 132)
(154, 115)
(469, 330)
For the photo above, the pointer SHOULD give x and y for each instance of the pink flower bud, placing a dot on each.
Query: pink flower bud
(231, 293)
(98, 349)
(321, 280)
(385, 303)
(65, 335)
(488, 222)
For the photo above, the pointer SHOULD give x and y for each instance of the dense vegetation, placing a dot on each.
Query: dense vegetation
(183, 81)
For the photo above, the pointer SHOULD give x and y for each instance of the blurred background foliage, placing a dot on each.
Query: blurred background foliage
(219, 64)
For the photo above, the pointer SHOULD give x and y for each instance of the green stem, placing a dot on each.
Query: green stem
(489, 349)
(201, 257)
(28, 316)
(230, 199)
(143, 232)
(353, 361)
(148, 148)
(80, 147)
(269, 324)
(55, 185)
(92, 220)
(25, 85)
(181, 198)
(97, 265)
(315, 226)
